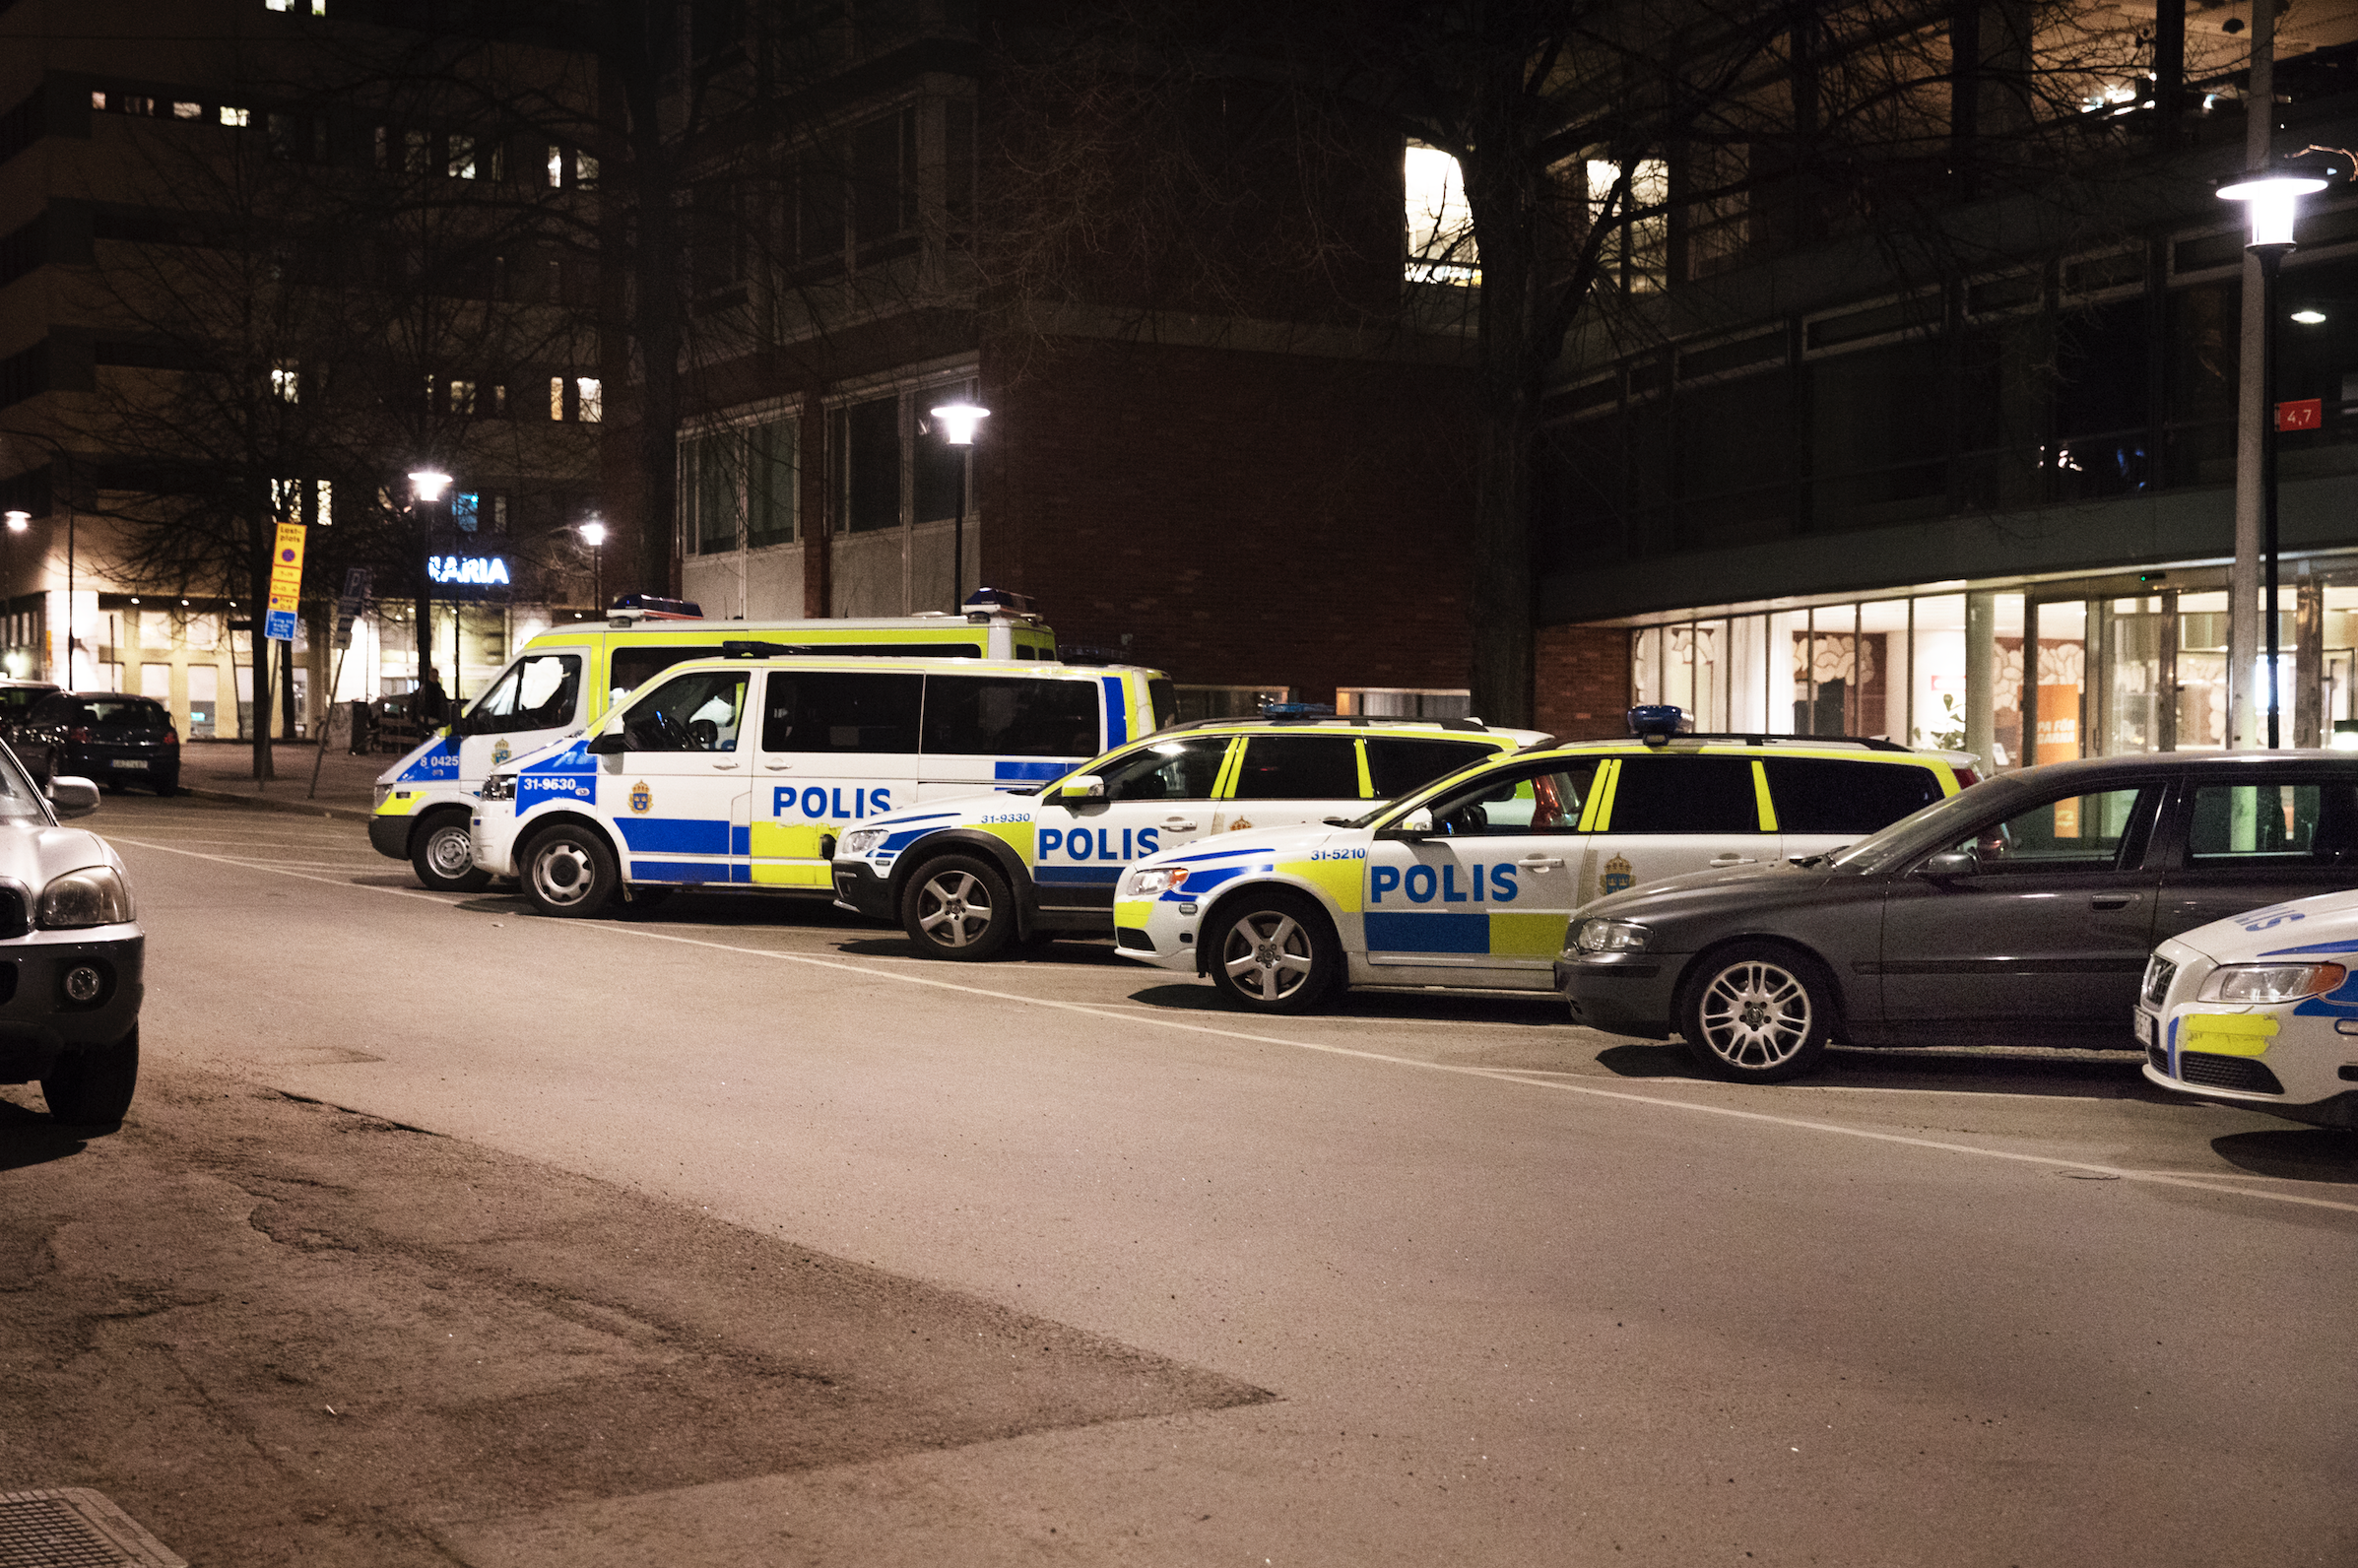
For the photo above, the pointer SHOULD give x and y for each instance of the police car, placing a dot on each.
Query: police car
(563, 680)
(2260, 1011)
(966, 879)
(744, 770)
(1472, 880)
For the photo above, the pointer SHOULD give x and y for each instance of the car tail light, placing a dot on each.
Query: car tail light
(78, 737)
(1967, 778)
(172, 736)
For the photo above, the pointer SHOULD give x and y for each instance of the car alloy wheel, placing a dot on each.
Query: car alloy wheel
(1758, 1014)
(960, 907)
(1273, 954)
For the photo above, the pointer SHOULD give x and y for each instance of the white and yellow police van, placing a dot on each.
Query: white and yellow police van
(563, 680)
(966, 879)
(1471, 881)
(744, 771)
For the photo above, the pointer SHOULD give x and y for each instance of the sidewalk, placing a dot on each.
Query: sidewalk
(224, 770)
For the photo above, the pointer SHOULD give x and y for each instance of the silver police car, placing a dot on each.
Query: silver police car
(70, 952)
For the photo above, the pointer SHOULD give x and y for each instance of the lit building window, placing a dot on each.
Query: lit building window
(1440, 224)
(462, 397)
(592, 404)
(286, 381)
(556, 397)
(1636, 256)
(187, 111)
(97, 101)
(556, 167)
(233, 116)
(323, 499)
(585, 171)
(462, 157)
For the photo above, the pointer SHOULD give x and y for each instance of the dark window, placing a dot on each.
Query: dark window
(1298, 767)
(632, 668)
(127, 714)
(872, 465)
(58, 709)
(841, 711)
(2248, 825)
(538, 692)
(884, 177)
(818, 204)
(16, 702)
(700, 711)
(1166, 770)
(1685, 795)
(1826, 795)
(1162, 694)
(974, 715)
(2079, 833)
(1395, 767)
(1544, 799)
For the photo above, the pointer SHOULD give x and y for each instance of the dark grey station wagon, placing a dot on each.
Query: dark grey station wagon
(2018, 912)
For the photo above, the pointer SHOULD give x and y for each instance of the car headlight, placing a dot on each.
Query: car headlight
(854, 844)
(384, 792)
(2270, 982)
(500, 787)
(94, 895)
(1152, 882)
(1610, 936)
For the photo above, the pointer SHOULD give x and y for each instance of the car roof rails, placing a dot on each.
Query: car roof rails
(745, 649)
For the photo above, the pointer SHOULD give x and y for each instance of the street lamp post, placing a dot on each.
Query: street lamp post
(18, 522)
(2271, 198)
(593, 534)
(960, 421)
(430, 486)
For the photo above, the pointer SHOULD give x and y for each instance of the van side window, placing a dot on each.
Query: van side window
(539, 691)
(630, 668)
(839, 710)
(1685, 795)
(703, 711)
(1298, 767)
(979, 715)
(1832, 795)
(1395, 766)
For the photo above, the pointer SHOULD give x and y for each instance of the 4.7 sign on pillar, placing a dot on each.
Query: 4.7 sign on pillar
(285, 583)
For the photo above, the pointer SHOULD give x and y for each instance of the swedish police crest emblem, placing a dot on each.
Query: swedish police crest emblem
(642, 798)
(1617, 875)
(500, 753)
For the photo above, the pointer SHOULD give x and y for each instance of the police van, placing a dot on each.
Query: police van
(966, 879)
(744, 770)
(563, 680)
(1471, 881)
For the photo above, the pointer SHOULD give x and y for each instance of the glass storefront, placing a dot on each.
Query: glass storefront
(2040, 673)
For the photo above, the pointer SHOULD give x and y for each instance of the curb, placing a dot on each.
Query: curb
(265, 803)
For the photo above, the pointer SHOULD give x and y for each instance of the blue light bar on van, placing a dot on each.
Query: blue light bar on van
(660, 609)
(986, 600)
(1655, 722)
(1298, 710)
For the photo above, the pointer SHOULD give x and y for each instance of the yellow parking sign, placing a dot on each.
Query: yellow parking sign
(286, 582)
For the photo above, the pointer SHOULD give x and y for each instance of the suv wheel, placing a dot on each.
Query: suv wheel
(960, 907)
(442, 856)
(90, 1086)
(1273, 952)
(1757, 1013)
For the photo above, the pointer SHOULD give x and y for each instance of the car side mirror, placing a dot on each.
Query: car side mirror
(1951, 863)
(1417, 823)
(612, 744)
(1083, 787)
(73, 796)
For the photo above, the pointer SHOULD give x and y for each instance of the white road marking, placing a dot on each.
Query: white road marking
(1493, 1074)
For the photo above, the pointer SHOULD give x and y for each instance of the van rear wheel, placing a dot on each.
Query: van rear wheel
(960, 907)
(568, 872)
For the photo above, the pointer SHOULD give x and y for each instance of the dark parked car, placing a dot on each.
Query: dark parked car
(105, 736)
(17, 700)
(2020, 912)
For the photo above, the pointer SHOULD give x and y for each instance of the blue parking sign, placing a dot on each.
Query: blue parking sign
(279, 625)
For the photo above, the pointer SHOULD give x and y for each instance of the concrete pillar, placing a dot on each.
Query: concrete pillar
(2309, 660)
(1981, 677)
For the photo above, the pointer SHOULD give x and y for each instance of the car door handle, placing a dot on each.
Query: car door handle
(779, 768)
(1542, 861)
(1185, 823)
(2112, 900)
(723, 767)
(1731, 859)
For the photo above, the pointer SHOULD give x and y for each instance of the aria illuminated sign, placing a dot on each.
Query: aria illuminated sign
(469, 571)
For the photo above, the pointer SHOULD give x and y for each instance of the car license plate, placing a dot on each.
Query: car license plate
(2145, 1030)
(124, 761)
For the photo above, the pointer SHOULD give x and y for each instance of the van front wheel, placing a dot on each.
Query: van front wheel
(960, 907)
(444, 857)
(570, 872)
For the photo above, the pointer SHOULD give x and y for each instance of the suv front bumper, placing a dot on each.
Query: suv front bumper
(37, 1019)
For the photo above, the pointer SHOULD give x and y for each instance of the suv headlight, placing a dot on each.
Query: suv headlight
(1154, 881)
(854, 844)
(2270, 982)
(500, 787)
(1610, 936)
(94, 895)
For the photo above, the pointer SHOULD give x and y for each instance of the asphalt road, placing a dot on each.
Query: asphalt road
(1430, 1279)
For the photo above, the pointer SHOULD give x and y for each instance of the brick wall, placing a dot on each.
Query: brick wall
(1242, 517)
(1583, 682)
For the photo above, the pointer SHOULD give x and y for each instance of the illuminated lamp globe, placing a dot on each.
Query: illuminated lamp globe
(960, 421)
(593, 534)
(2270, 198)
(428, 483)
(18, 522)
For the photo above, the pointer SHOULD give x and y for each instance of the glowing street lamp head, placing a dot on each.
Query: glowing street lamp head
(18, 522)
(593, 534)
(428, 483)
(959, 421)
(2271, 198)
